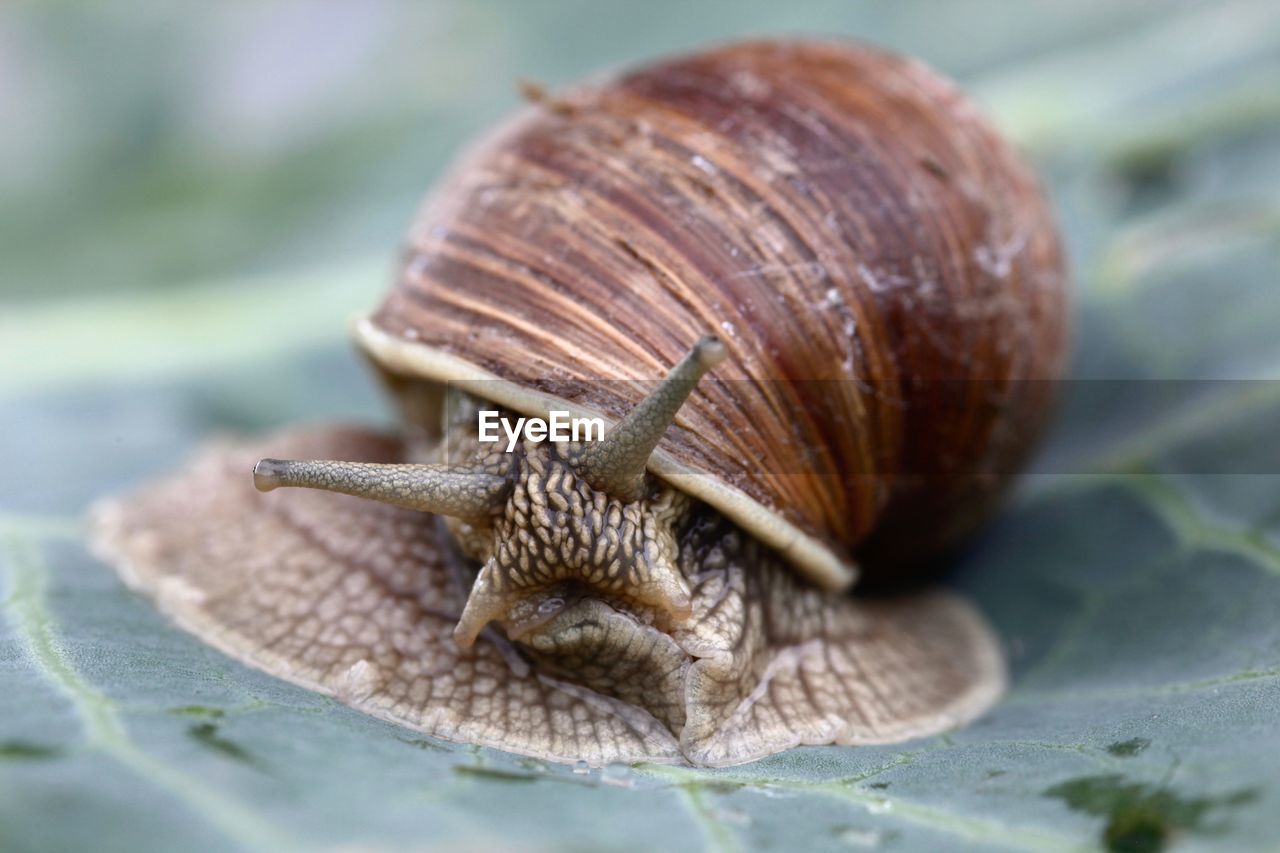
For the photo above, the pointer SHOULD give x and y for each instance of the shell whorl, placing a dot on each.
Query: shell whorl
(881, 267)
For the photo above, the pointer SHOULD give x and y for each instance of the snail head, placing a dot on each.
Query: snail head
(557, 527)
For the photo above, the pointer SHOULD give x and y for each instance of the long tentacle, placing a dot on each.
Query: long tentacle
(440, 489)
(616, 464)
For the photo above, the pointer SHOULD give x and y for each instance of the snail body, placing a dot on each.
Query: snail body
(885, 290)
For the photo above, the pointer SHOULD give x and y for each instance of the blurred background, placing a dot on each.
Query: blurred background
(196, 197)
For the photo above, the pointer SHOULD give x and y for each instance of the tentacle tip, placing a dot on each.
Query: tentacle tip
(710, 351)
(464, 635)
(267, 474)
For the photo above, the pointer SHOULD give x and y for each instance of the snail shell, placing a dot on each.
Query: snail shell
(880, 265)
(887, 289)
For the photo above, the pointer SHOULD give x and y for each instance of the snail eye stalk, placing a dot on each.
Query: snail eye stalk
(616, 465)
(438, 489)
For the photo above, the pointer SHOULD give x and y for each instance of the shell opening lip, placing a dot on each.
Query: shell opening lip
(818, 561)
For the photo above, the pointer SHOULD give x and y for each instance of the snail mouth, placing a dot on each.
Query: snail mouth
(607, 646)
(662, 599)
(548, 610)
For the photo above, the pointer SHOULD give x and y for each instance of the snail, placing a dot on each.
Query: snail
(855, 292)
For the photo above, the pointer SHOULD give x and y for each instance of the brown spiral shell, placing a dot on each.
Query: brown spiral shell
(881, 266)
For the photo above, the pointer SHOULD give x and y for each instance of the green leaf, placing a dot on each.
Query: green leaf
(1135, 576)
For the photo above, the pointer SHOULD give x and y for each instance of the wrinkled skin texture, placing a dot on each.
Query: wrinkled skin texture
(360, 600)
